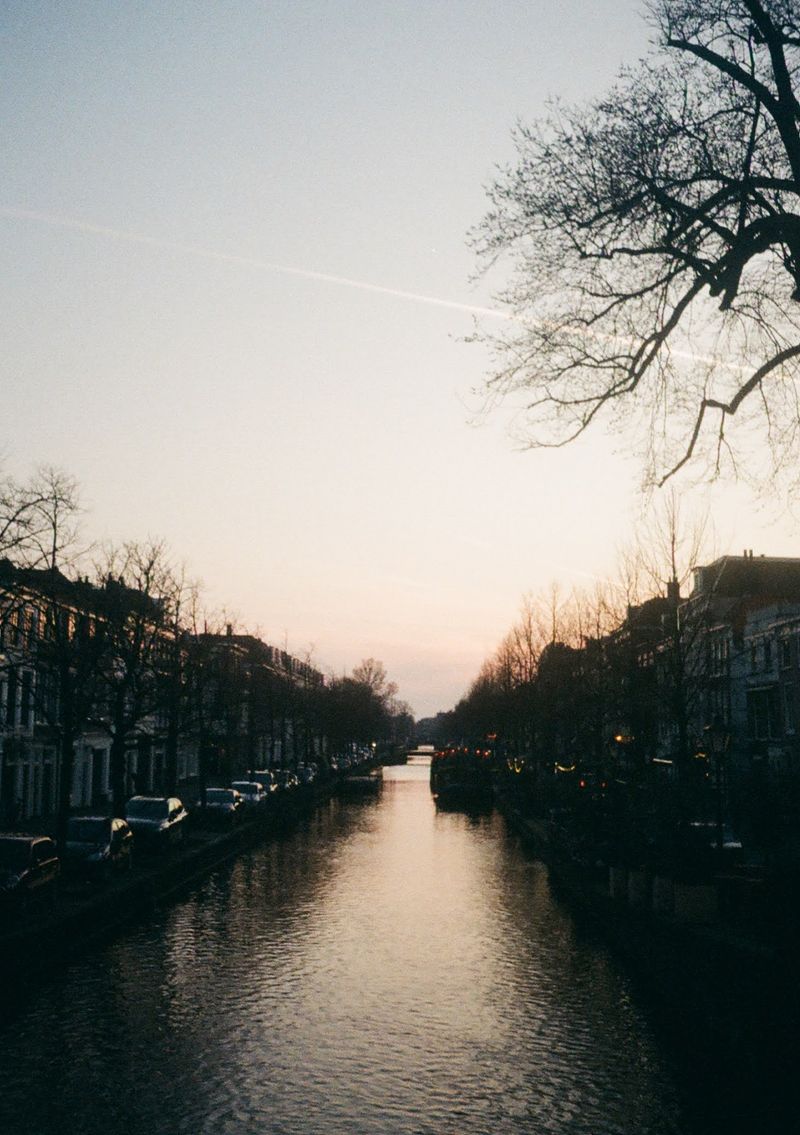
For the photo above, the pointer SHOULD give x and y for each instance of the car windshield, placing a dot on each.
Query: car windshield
(14, 853)
(147, 809)
(219, 796)
(246, 786)
(88, 831)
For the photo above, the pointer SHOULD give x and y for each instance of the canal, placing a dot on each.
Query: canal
(382, 968)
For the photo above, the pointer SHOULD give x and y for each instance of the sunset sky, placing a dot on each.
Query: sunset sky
(236, 288)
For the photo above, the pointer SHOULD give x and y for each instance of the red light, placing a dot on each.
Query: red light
(582, 784)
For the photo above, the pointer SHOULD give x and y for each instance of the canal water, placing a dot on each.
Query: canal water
(383, 968)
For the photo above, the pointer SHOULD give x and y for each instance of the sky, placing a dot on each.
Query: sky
(236, 292)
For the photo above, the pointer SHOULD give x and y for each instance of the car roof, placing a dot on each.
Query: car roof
(20, 837)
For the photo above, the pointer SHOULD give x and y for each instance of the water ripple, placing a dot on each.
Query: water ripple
(383, 969)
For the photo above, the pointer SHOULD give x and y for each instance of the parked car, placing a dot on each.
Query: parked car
(253, 792)
(267, 777)
(705, 834)
(306, 775)
(98, 845)
(224, 806)
(29, 865)
(286, 779)
(157, 821)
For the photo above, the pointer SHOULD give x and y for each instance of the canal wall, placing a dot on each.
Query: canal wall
(725, 993)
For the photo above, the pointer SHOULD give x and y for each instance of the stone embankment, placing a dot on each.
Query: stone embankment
(718, 972)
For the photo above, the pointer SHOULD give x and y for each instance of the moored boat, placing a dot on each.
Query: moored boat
(361, 784)
(461, 777)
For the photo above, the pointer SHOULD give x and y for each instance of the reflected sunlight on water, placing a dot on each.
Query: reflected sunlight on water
(384, 968)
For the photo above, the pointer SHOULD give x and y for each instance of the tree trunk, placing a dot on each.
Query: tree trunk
(171, 766)
(119, 789)
(202, 768)
(66, 756)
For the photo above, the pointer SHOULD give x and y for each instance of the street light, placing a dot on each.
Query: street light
(718, 739)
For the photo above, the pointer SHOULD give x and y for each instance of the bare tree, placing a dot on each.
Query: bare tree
(39, 518)
(177, 656)
(672, 690)
(669, 543)
(203, 711)
(54, 506)
(38, 528)
(137, 611)
(655, 240)
(359, 706)
(371, 673)
(43, 613)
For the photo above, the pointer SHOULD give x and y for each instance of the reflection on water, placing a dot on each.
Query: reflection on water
(385, 968)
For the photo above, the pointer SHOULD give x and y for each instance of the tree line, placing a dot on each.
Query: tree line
(609, 692)
(116, 641)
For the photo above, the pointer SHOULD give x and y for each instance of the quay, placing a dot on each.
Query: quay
(722, 982)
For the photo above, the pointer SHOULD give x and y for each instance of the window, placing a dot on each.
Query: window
(26, 699)
(788, 709)
(753, 658)
(762, 715)
(719, 705)
(785, 653)
(47, 697)
(767, 654)
(11, 700)
(719, 661)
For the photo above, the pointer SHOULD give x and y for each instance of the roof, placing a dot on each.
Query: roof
(749, 576)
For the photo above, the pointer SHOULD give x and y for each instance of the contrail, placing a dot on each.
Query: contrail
(78, 225)
(232, 258)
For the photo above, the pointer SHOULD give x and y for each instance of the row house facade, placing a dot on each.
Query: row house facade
(728, 654)
(97, 683)
(637, 707)
(731, 665)
(66, 687)
(28, 773)
(750, 672)
(259, 705)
